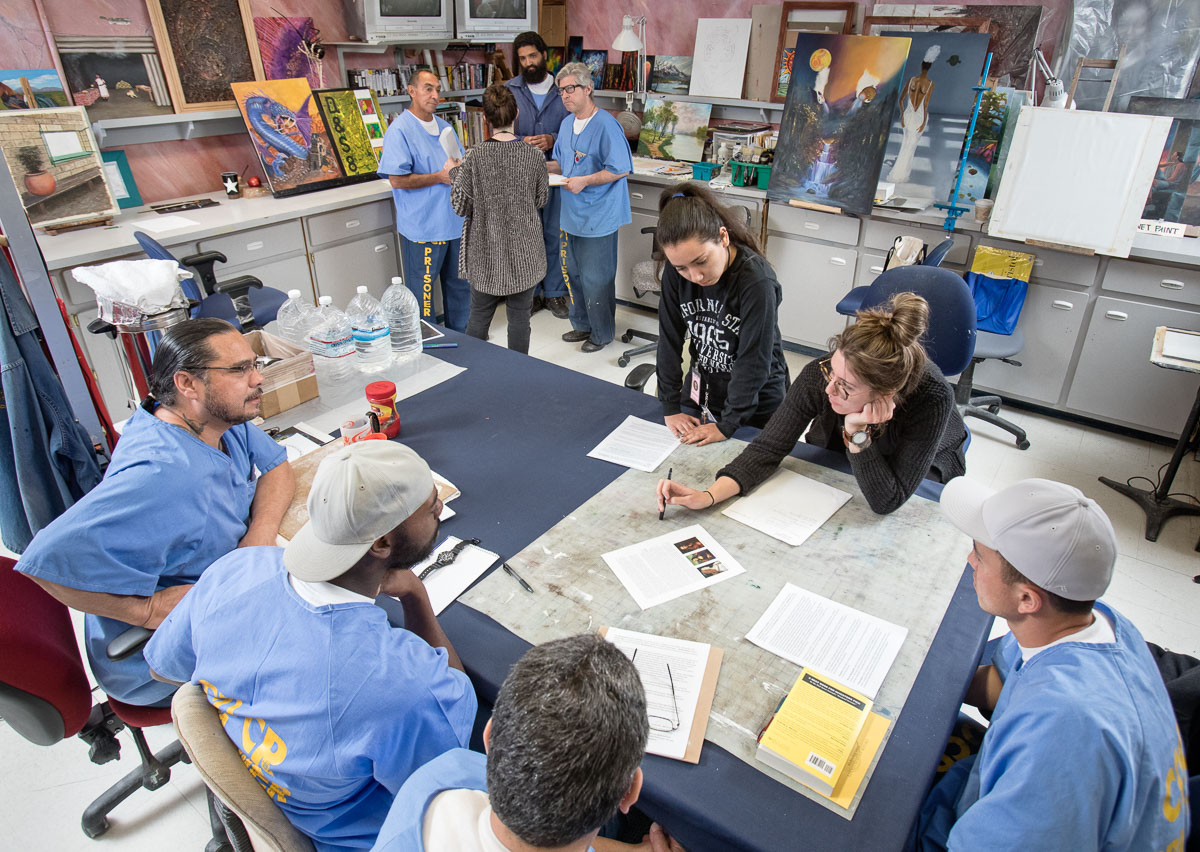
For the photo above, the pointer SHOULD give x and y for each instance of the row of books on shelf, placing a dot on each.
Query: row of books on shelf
(468, 122)
(387, 82)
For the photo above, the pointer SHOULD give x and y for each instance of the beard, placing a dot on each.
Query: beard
(408, 552)
(225, 412)
(534, 74)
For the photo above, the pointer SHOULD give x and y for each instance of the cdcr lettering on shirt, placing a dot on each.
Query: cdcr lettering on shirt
(261, 747)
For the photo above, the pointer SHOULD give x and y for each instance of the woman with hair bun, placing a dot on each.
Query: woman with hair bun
(877, 397)
(719, 290)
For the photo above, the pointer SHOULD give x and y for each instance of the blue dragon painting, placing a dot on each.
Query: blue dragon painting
(276, 125)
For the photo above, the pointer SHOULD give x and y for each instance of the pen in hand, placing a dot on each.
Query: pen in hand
(510, 572)
(663, 510)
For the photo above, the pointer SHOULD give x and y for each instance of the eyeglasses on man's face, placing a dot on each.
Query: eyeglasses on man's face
(839, 385)
(568, 90)
(245, 368)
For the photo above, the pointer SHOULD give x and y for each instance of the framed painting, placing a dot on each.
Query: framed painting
(807, 17)
(31, 88)
(837, 117)
(205, 48)
(1175, 192)
(289, 136)
(56, 166)
(114, 77)
(674, 130)
(346, 125)
(671, 75)
(120, 179)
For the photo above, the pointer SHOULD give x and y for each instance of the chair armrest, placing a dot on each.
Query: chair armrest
(128, 643)
(240, 286)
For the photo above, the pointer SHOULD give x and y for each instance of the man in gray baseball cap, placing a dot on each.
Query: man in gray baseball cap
(1082, 751)
(331, 707)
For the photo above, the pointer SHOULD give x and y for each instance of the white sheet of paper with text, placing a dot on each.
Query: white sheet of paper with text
(637, 443)
(672, 565)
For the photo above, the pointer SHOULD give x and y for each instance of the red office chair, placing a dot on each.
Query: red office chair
(45, 697)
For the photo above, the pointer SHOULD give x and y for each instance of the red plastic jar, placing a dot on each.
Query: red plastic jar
(382, 397)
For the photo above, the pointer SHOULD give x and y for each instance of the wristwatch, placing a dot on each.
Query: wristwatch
(448, 557)
(858, 439)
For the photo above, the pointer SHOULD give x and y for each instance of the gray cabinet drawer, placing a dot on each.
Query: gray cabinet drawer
(814, 278)
(878, 234)
(799, 222)
(1050, 321)
(349, 222)
(644, 196)
(289, 273)
(372, 261)
(870, 267)
(1115, 379)
(1158, 282)
(254, 245)
(1055, 265)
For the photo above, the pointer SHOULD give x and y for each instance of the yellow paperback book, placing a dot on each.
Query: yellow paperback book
(814, 731)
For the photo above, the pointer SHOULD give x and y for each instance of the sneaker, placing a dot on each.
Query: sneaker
(538, 304)
(574, 336)
(591, 346)
(559, 307)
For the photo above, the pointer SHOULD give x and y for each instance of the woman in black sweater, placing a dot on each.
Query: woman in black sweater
(718, 289)
(877, 397)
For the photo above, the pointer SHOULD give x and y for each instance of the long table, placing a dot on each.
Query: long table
(513, 433)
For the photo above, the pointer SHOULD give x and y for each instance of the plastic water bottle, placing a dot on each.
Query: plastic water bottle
(404, 318)
(295, 319)
(372, 332)
(332, 345)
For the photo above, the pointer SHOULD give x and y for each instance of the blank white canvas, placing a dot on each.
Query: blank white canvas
(719, 64)
(1078, 177)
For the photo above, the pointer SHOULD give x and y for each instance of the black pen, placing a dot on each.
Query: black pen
(510, 572)
(670, 470)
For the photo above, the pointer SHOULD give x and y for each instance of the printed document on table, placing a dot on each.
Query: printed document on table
(788, 506)
(638, 444)
(812, 631)
(445, 584)
(672, 565)
(673, 673)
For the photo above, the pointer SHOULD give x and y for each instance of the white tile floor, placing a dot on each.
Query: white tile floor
(45, 790)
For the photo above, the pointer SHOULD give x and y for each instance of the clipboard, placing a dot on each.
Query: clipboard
(708, 689)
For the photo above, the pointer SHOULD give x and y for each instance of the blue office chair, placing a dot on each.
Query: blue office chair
(242, 301)
(853, 300)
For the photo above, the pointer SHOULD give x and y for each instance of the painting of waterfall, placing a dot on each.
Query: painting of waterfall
(841, 101)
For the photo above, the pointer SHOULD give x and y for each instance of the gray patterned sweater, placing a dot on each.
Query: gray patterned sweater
(498, 190)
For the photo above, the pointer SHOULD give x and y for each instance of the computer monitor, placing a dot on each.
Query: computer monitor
(399, 21)
(495, 20)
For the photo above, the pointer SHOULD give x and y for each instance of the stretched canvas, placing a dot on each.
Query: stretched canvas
(596, 60)
(674, 130)
(112, 78)
(719, 63)
(785, 72)
(554, 59)
(671, 75)
(281, 44)
(983, 147)
(289, 135)
(347, 129)
(839, 110)
(56, 165)
(575, 49)
(1175, 192)
(1014, 33)
(17, 85)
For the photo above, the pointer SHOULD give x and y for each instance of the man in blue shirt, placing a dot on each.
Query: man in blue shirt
(540, 112)
(1082, 751)
(564, 748)
(189, 481)
(331, 707)
(592, 154)
(418, 168)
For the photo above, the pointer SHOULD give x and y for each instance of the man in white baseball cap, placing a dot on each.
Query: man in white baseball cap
(1082, 751)
(331, 707)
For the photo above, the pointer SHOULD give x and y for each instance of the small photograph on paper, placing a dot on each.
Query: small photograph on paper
(712, 569)
(699, 556)
(689, 545)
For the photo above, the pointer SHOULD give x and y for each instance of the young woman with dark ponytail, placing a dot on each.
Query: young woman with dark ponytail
(717, 289)
(876, 397)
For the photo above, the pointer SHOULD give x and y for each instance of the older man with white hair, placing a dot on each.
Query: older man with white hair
(592, 154)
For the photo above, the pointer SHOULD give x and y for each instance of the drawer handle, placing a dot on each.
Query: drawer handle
(812, 226)
(353, 223)
(878, 270)
(254, 246)
(838, 261)
(1116, 315)
(380, 247)
(1062, 305)
(637, 195)
(1037, 261)
(1171, 284)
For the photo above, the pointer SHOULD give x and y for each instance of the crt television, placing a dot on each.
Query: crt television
(397, 21)
(495, 20)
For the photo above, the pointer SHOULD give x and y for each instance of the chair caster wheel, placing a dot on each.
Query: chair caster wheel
(993, 409)
(623, 361)
(1022, 445)
(626, 337)
(93, 828)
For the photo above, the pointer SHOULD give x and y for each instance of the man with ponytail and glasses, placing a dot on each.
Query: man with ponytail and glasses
(190, 480)
(877, 397)
(718, 290)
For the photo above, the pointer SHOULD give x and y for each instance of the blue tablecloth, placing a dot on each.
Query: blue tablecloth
(513, 433)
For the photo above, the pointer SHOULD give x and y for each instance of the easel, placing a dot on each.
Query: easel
(1113, 65)
(953, 210)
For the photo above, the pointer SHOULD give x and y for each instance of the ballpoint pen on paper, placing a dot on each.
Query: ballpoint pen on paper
(439, 346)
(510, 572)
(663, 511)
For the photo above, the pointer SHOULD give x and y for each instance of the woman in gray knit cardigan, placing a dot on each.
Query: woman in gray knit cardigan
(497, 190)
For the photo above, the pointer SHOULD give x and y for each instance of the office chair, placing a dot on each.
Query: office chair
(647, 278)
(253, 822)
(243, 301)
(853, 300)
(45, 696)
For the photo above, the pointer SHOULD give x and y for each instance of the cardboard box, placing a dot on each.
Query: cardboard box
(289, 381)
(551, 24)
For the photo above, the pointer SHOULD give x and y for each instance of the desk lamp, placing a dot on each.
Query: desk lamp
(628, 40)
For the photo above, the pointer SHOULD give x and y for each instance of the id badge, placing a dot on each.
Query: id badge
(695, 389)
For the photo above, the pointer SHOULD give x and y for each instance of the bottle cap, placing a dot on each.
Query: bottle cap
(361, 288)
(293, 294)
(325, 300)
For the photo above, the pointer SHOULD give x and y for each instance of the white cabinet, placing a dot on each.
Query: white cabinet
(339, 270)
(814, 278)
(1115, 380)
(1050, 320)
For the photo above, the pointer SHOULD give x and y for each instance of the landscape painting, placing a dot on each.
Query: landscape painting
(674, 130)
(31, 88)
(840, 104)
(671, 75)
(1175, 193)
(289, 135)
